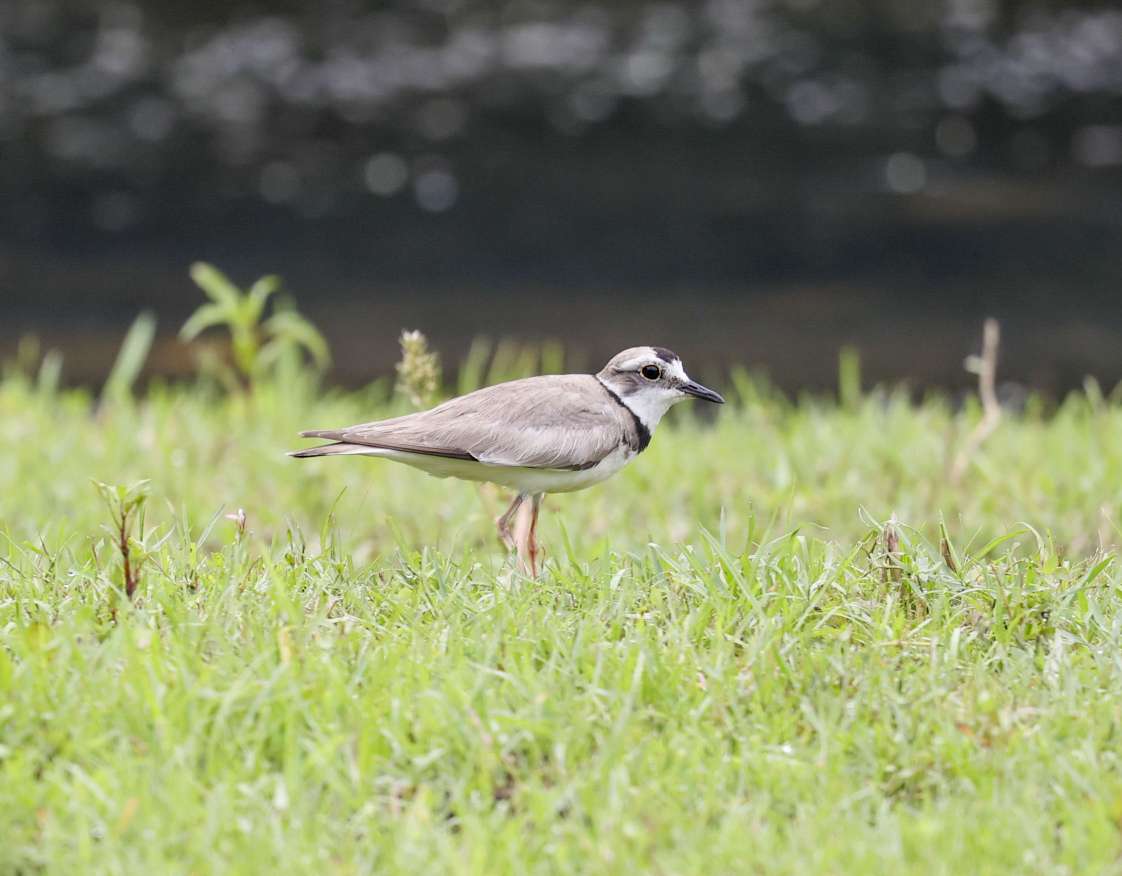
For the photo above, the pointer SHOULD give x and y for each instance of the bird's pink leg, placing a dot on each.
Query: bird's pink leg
(536, 504)
(503, 522)
(524, 537)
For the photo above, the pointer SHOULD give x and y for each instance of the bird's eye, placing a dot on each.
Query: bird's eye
(651, 372)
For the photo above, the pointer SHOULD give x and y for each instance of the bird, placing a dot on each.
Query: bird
(537, 435)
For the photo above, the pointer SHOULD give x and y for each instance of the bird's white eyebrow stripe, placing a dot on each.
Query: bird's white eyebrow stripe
(642, 355)
(676, 369)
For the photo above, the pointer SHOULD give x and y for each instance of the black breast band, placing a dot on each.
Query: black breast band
(641, 429)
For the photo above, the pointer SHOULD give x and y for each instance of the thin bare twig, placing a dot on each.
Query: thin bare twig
(985, 366)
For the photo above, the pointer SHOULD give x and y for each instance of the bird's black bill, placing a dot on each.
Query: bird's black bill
(699, 391)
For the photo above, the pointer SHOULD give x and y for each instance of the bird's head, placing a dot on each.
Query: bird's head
(651, 379)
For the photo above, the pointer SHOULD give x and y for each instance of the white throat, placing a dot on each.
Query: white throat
(648, 404)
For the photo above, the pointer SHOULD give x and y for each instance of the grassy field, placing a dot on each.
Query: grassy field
(723, 669)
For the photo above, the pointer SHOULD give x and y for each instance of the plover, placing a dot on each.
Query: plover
(548, 434)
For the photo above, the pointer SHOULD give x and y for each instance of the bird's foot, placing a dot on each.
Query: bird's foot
(537, 558)
(506, 535)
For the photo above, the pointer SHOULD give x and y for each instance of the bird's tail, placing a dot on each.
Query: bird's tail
(339, 448)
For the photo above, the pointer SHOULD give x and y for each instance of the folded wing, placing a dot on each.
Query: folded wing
(557, 422)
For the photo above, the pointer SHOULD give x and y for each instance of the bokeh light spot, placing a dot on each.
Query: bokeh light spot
(905, 173)
(385, 174)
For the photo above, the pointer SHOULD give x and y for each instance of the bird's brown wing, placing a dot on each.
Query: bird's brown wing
(560, 422)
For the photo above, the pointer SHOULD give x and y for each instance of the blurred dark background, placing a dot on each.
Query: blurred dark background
(752, 181)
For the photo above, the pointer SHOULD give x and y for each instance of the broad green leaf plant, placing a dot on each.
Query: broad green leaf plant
(259, 344)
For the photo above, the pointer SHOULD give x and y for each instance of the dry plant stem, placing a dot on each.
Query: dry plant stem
(947, 554)
(991, 410)
(131, 576)
(891, 551)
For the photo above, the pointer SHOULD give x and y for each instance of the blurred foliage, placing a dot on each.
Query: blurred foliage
(259, 344)
(131, 358)
(312, 105)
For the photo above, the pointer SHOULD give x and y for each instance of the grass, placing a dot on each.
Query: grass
(722, 669)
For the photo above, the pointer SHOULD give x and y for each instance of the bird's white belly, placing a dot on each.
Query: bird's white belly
(524, 480)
